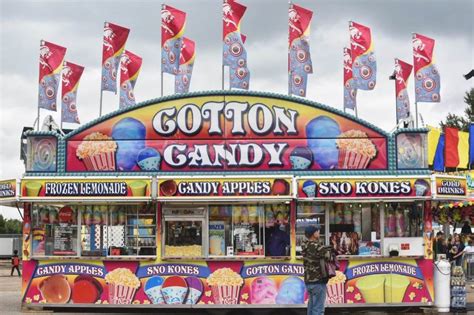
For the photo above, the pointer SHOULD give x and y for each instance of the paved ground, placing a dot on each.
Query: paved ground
(10, 304)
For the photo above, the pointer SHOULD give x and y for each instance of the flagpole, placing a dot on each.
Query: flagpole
(289, 62)
(100, 107)
(163, 7)
(162, 83)
(222, 77)
(355, 109)
(38, 119)
(416, 111)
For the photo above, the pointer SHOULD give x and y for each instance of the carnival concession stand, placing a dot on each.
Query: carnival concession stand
(201, 200)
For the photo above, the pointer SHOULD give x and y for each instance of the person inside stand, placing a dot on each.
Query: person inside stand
(466, 229)
(314, 277)
(457, 250)
(15, 263)
(441, 247)
(278, 241)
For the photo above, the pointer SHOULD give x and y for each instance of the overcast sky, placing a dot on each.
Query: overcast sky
(78, 25)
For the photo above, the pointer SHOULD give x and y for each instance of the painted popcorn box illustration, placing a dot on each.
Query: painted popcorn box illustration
(122, 285)
(225, 285)
(355, 150)
(97, 151)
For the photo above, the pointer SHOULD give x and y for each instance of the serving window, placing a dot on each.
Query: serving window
(403, 219)
(354, 228)
(364, 228)
(93, 230)
(54, 231)
(227, 230)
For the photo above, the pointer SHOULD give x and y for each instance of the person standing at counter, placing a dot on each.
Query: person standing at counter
(457, 250)
(466, 229)
(313, 253)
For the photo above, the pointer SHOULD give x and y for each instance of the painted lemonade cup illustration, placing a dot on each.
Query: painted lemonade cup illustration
(33, 189)
(138, 188)
(395, 288)
(372, 288)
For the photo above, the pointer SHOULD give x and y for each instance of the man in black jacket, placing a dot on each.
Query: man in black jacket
(314, 254)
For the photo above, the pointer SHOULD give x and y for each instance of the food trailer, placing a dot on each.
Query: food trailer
(201, 200)
(451, 205)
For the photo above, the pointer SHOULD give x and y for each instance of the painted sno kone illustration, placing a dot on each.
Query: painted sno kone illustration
(230, 133)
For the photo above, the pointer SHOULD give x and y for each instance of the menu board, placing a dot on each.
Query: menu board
(63, 239)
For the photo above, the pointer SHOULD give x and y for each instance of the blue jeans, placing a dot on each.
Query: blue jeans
(317, 297)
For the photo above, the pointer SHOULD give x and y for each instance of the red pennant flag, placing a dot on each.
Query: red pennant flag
(299, 22)
(402, 73)
(115, 37)
(50, 65)
(173, 22)
(364, 65)
(186, 64)
(70, 82)
(422, 51)
(130, 65)
(451, 147)
(427, 78)
(232, 16)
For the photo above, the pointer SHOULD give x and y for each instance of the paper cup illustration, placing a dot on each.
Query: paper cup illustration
(421, 187)
(153, 290)
(309, 188)
(138, 188)
(174, 290)
(149, 159)
(301, 158)
(395, 287)
(372, 288)
(122, 284)
(195, 290)
(263, 290)
(55, 289)
(225, 286)
(33, 189)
